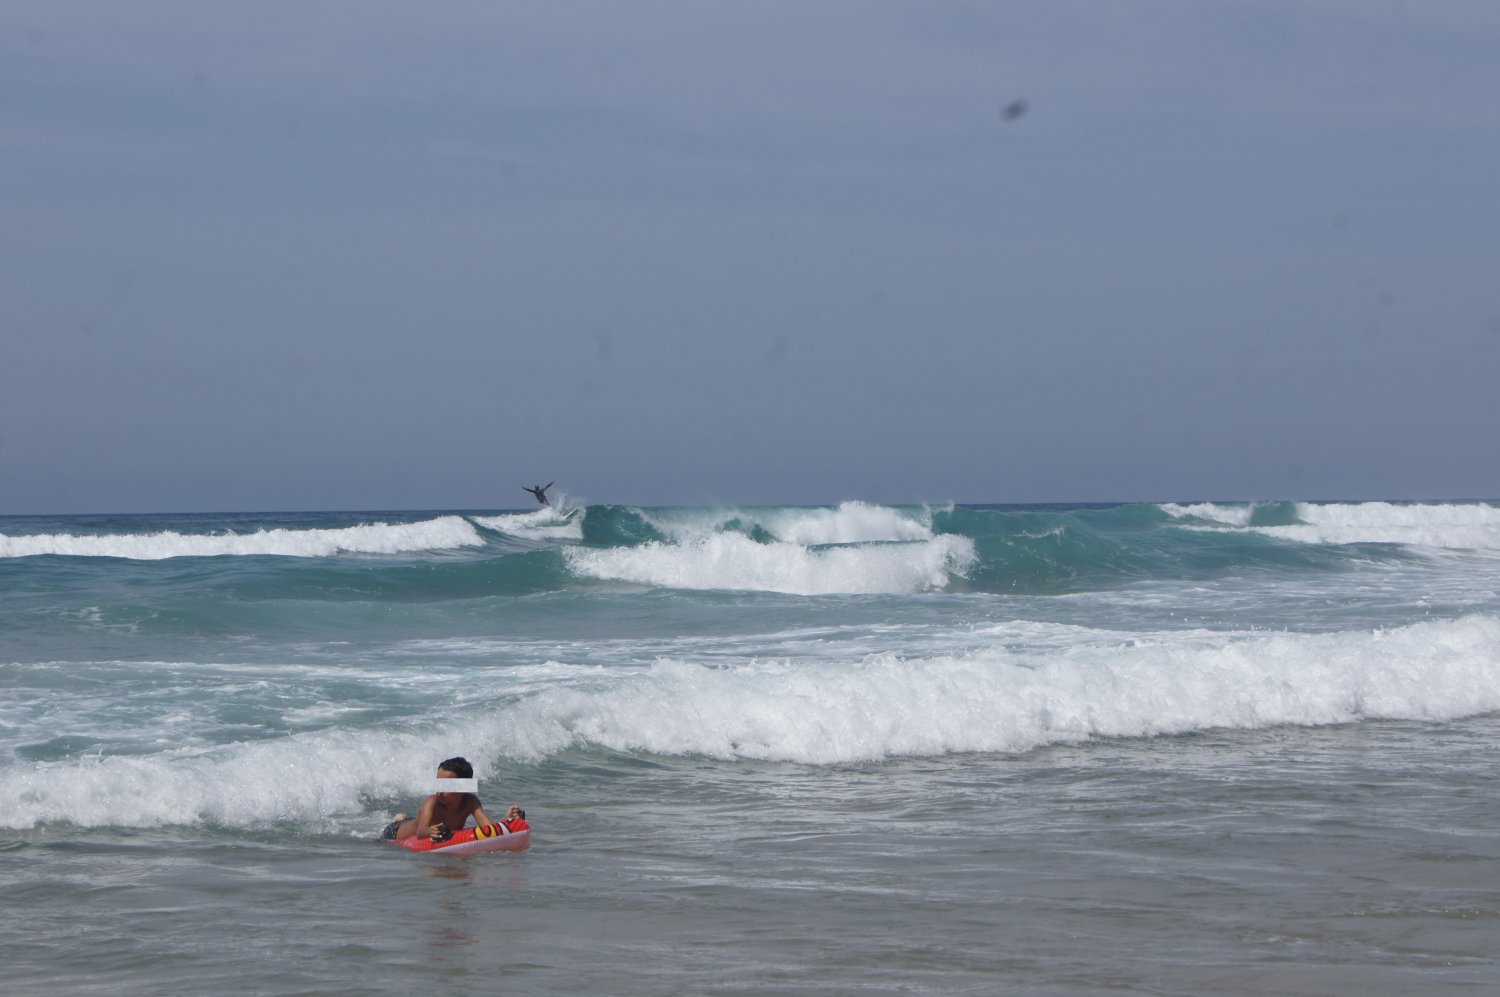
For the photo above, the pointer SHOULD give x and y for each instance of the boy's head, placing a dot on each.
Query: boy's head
(455, 768)
(455, 776)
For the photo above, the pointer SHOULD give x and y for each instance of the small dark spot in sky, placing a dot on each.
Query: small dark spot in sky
(1340, 221)
(509, 169)
(1013, 110)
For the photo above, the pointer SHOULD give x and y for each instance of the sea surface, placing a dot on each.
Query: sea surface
(1189, 748)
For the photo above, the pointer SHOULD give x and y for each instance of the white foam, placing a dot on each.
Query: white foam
(1462, 526)
(850, 522)
(443, 533)
(1024, 686)
(544, 524)
(886, 551)
(1112, 685)
(734, 562)
(847, 523)
(1213, 512)
(303, 777)
(1471, 526)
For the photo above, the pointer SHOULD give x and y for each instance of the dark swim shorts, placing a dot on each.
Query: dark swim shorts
(389, 834)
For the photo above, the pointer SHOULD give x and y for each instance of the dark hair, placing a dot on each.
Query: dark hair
(459, 766)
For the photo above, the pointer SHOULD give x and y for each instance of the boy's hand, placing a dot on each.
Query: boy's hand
(514, 812)
(439, 832)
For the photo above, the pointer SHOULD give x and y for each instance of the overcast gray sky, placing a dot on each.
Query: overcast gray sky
(359, 255)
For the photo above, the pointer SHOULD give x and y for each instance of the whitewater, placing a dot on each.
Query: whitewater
(1189, 747)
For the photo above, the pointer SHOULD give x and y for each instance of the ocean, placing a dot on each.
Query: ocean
(1167, 748)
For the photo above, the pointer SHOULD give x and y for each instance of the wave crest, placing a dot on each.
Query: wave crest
(1459, 526)
(1025, 685)
(443, 533)
(730, 561)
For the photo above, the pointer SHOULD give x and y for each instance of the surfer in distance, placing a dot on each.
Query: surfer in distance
(540, 491)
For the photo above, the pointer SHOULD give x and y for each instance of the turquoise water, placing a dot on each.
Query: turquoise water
(1174, 748)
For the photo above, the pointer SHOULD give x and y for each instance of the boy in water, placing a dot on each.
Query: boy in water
(443, 813)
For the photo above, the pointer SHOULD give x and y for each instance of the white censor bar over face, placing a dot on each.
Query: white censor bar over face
(456, 786)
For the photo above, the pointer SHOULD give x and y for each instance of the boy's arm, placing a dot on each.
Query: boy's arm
(480, 817)
(425, 828)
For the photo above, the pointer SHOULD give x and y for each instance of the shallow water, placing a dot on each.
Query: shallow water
(1289, 860)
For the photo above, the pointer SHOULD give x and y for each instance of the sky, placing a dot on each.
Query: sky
(365, 255)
